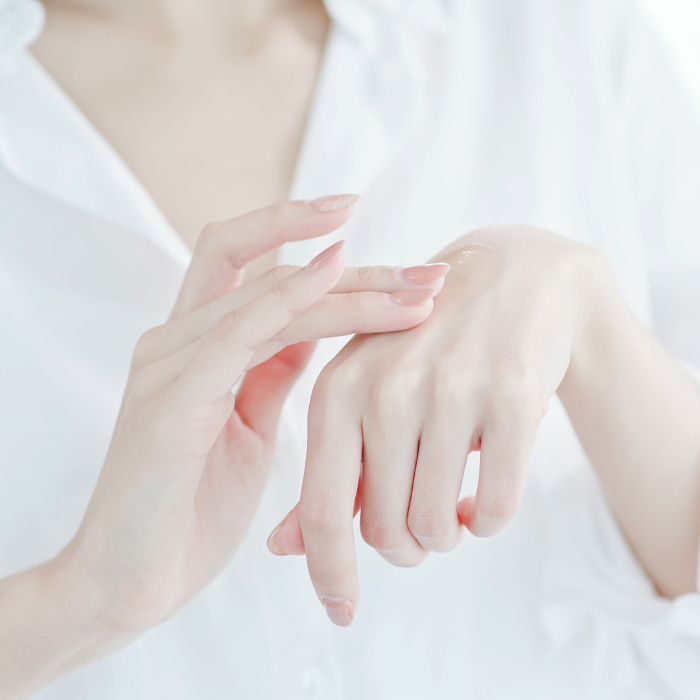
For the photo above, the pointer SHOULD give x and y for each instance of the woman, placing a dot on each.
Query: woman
(446, 116)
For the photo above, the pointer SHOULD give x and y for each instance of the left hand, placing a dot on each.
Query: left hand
(187, 462)
(394, 417)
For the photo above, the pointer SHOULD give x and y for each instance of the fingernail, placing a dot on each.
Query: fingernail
(272, 541)
(411, 297)
(327, 257)
(335, 202)
(420, 274)
(340, 611)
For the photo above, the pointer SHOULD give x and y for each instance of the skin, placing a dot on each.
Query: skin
(208, 104)
(635, 412)
(188, 462)
(524, 314)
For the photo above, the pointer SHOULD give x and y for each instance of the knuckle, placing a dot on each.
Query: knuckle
(383, 539)
(451, 389)
(515, 385)
(209, 235)
(431, 530)
(364, 275)
(322, 393)
(282, 293)
(282, 287)
(210, 229)
(337, 379)
(352, 300)
(516, 393)
(231, 325)
(145, 350)
(498, 511)
(391, 390)
(278, 273)
(321, 516)
(219, 238)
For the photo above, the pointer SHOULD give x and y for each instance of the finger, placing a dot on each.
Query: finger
(390, 279)
(354, 280)
(362, 280)
(506, 443)
(327, 500)
(287, 538)
(222, 356)
(344, 314)
(261, 397)
(442, 458)
(334, 315)
(389, 463)
(225, 247)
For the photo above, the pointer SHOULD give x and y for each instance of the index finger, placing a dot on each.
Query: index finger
(225, 247)
(211, 366)
(326, 507)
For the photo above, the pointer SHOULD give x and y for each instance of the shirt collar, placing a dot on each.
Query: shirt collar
(372, 93)
(21, 22)
(364, 19)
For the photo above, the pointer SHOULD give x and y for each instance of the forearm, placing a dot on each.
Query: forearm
(48, 627)
(637, 415)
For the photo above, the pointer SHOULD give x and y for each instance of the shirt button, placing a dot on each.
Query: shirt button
(314, 683)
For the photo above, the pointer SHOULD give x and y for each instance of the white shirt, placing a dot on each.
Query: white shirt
(445, 115)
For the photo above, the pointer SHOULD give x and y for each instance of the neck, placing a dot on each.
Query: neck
(183, 19)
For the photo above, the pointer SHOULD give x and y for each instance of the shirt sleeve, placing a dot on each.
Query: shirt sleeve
(661, 122)
(601, 611)
(663, 128)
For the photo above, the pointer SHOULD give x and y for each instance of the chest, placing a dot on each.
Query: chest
(211, 132)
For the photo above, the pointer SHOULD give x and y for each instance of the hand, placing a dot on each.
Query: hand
(393, 418)
(188, 462)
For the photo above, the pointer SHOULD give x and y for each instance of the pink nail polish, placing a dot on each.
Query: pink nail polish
(272, 541)
(411, 297)
(340, 611)
(326, 257)
(423, 274)
(335, 202)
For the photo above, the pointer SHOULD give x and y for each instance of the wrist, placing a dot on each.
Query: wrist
(47, 629)
(94, 611)
(86, 612)
(599, 333)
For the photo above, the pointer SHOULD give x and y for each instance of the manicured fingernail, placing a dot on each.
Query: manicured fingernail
(272, 541)
(327, 257)
(335, 202)
(421, 274)
(411, 297)
(340, 611)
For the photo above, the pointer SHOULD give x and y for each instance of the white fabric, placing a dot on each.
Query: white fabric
(446, 115)
(679, 22)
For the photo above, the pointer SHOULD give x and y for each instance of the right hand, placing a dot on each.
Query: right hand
(393, 417)
(188, 461)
